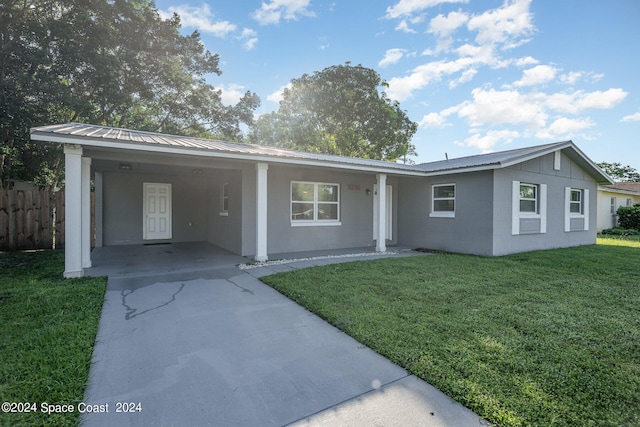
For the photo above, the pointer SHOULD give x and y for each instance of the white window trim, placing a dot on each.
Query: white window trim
(315, 222)
(541, 207)
(443, 214)
(223, 211)
(568, 215)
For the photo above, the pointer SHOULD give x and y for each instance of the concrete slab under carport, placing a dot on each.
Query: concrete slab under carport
(158, 258)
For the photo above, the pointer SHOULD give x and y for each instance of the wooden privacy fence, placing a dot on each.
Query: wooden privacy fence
(33, 220)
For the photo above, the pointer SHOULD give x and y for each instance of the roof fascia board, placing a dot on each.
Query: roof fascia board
(93, 142)
(618, 190)
(462, 170)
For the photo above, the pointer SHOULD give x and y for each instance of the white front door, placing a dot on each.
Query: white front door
(389, 211)
(157, 211)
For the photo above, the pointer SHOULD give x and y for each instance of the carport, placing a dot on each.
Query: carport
(246, 199)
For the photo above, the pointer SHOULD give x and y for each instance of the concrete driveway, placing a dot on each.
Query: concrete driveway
(218, 347)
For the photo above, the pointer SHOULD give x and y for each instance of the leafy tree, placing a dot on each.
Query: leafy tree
(339, 110)
(108, 62)
(619, 172)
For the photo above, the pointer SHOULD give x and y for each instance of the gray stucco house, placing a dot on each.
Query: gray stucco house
(261, 201)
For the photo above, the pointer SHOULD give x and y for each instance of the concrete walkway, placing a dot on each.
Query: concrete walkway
(217, 347)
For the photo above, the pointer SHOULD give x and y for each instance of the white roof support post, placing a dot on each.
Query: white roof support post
(86, 212)
(261, 211)
(381, 245)
(73, 211)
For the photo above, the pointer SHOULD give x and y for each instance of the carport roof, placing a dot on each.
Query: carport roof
(117, 138)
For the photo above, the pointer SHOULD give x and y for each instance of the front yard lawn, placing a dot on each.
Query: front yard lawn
(548, 338)
(48, 327)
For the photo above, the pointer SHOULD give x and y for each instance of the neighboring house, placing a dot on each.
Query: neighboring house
(261, 201)
(611, 197)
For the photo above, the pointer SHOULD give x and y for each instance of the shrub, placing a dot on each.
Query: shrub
(619, 231)
(629, 217)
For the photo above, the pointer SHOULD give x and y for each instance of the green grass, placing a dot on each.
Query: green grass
(549, 338)
(631, 241)
(48, 327)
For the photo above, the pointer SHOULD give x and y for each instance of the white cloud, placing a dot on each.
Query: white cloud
(402, 88)
(571, 77)
(579, 101)
(404, 27)
(200, 18)
(490, 139)
(564, 128)
(497, 107)
(231, 93)
(277, 95)
(466, 76)
(505, 25)
(631, 117)
(443, 26)
(529, 60)
(273, 12)
(433, 120)
(409, 7)
(391, 56)
(250, 38)
(539, 74)
(503, 107)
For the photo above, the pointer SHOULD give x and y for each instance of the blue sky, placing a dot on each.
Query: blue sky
(477, 75)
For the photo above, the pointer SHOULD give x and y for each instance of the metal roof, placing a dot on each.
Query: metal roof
(109, 137)
(103, 136)
(493, 160)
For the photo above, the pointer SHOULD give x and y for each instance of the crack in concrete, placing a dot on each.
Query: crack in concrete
(131, 312)
(241, 287)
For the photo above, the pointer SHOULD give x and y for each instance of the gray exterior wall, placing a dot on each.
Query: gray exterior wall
(482, 223)
(196, 207)
(541, 171)
(356, 211)
(470, 231)
(225, 228)
(122, 214)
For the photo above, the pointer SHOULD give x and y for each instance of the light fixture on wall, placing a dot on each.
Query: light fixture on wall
(368, 191)
(125, 166)
(197, 171)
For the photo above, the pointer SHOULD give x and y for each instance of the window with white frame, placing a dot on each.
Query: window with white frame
(315, 203)
(629, 202)
(443, 200)
(528, 198)
(576, 209)
(528, 208)
(613, 205)
(575, 202)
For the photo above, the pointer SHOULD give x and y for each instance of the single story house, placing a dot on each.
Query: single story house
(611, 197)
(259, 201)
